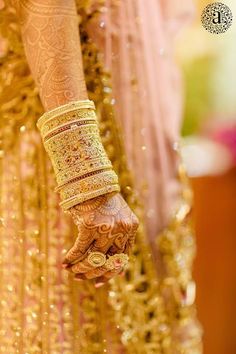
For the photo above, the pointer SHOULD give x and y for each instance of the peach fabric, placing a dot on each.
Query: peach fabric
(137, 39)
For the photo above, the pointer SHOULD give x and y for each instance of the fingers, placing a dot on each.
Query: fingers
(108, 247)
(114, 250)
(80, 277)
(89, 273)
(118, 245)
(128, 248)
(85, 267)
(102, 278)
(81, 267)
(100, 244)
(91, 242)
(96, 272)
(108, 275)
(130, 243)
(81, 245)
(100, 281)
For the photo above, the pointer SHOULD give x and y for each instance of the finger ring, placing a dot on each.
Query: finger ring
(96, 259)
(117, 261)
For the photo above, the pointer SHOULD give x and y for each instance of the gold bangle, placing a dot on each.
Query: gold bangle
(78, 199)
(68, 107)
(82, 128)
(68, 148)
(80, 169)
(62, 164)
(69, 117)
(92, 182)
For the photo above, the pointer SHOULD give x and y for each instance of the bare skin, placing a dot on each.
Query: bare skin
(52, 46)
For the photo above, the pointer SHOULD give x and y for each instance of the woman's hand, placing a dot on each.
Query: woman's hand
(105, 224)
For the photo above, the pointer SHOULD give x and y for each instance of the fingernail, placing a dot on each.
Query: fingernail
(98, 285)
(64, 266)
(78, 279)
(122, 274)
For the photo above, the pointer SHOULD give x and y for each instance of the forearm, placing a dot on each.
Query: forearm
(69, 128)
(86, 181)
(52, 46)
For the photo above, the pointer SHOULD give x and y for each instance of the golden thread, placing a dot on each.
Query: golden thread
(44, 251)
(22, 248)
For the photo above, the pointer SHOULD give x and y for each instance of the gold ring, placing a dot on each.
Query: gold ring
(117, 261)
(96, 259)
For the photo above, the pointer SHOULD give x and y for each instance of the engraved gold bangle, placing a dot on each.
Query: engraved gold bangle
(92, 182)
(68, 148)
(68, 107)
(76, 129)
(80, 169)
(78, 199)
(75, 117)
(48, 132)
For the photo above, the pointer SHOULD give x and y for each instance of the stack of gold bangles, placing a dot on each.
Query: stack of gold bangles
(71, 138)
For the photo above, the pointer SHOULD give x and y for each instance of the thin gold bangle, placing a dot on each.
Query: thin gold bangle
(71, 106)
(77, 199)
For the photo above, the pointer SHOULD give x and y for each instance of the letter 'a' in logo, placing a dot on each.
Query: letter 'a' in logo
(217, 18)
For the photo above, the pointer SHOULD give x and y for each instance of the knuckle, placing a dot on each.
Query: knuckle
(132, 223)
(95, 273)
(74, 269)
(90, 275)
(80, 276)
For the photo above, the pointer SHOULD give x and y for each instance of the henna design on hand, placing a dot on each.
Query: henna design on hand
(105, 224)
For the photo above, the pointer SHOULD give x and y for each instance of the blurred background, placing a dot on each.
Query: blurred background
(209, 151)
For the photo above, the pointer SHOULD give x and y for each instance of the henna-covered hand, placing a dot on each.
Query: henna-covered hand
(105, 224)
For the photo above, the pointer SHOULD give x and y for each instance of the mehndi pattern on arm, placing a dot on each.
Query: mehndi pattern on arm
(52, 46)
